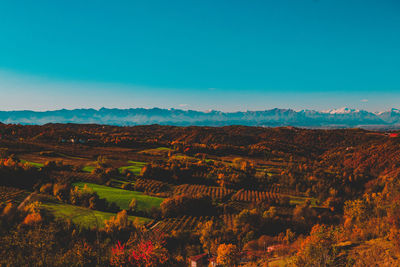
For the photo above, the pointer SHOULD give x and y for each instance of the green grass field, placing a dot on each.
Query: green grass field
(88, 168)
(135, 167)
(83, 216)
(123, 197)
(163, 148)
(34, 164)
(118, 182)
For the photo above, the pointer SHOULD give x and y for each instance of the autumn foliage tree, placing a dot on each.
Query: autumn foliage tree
(146, 249)
(228, 255)
(318, 249)
(209, 236)
(120, 222)
(133, 205)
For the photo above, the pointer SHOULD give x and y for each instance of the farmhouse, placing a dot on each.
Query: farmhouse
(202, 260)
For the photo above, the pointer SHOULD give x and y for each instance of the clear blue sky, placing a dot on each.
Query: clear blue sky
(225, 55)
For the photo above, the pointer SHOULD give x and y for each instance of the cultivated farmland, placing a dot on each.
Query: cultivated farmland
(123, 197)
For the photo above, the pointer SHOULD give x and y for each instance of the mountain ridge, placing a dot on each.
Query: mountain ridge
(333, 118)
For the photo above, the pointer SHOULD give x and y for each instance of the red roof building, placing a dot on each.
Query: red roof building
(202, 260)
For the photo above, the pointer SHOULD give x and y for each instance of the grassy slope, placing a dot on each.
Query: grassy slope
(123, 197)
(163, 148)
(88, 168)
(135, 167)
(34, 164)
(84, 216)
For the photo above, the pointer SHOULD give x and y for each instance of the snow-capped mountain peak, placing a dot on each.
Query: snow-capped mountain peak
(391, 111)
(343, 110)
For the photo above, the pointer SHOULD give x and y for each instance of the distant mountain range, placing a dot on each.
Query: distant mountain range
(338, 118)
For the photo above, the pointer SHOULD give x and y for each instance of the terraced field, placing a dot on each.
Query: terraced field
(217, 193)
(11, 194)
(256, 196)
(153, 186)
(228, 220)
(189, 223)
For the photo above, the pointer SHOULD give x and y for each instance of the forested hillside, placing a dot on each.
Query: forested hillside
(97, 195)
